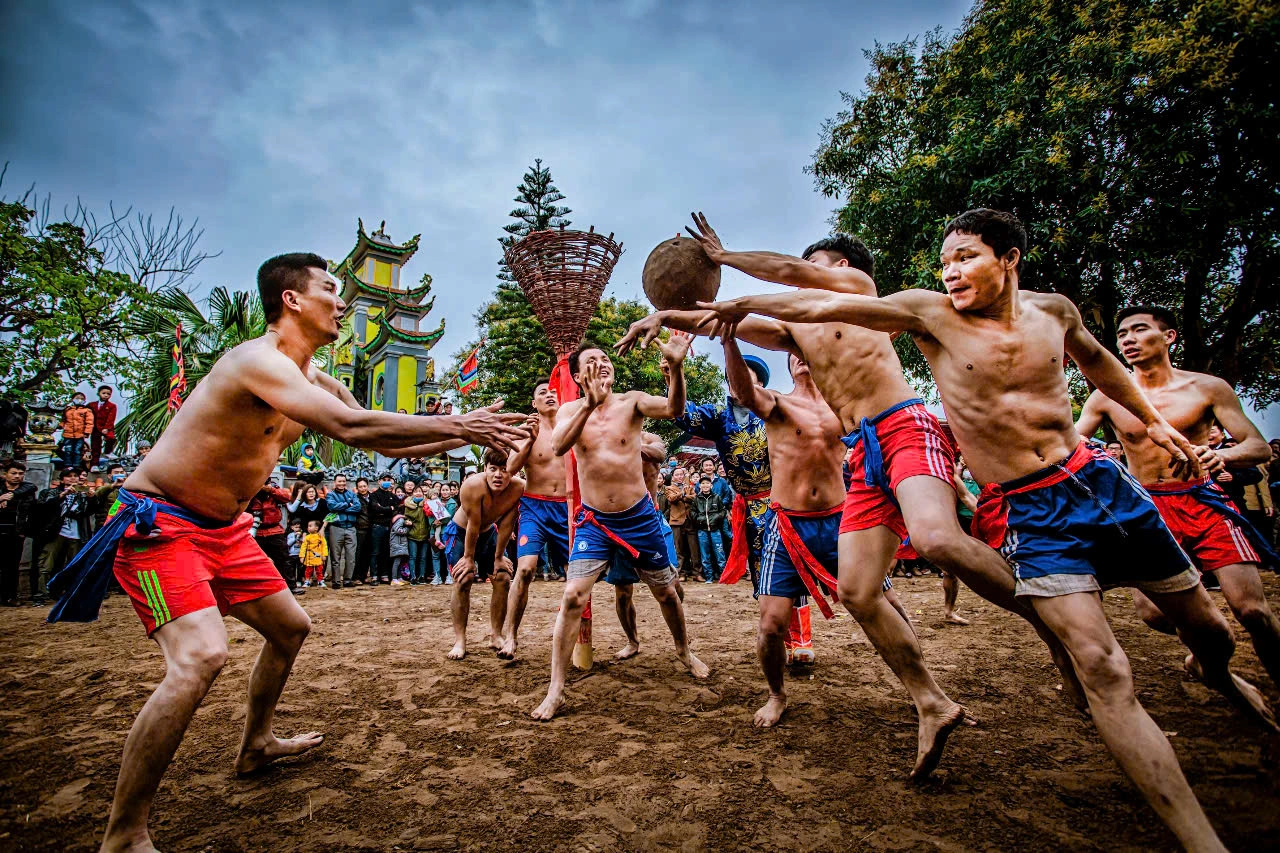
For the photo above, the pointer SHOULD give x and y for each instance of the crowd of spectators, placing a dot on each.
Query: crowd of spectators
(696, 500)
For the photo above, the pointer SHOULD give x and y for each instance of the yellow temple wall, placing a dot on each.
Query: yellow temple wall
(407, 380)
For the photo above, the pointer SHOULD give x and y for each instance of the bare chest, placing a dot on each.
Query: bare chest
(984, 357)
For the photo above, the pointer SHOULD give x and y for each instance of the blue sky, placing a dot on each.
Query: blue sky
(278, 124)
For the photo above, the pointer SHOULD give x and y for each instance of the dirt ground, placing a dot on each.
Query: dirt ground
(427, 754)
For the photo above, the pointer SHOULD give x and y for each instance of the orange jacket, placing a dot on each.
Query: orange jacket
(77, 422)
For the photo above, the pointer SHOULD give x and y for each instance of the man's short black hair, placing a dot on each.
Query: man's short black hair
(494, 456)
(108, 387)
(573, 359)
(1164, 318)
(285, 272)
(848, 247)
(360, 480)
(113, 466)
(1000, 230)
(68, 472)
(542, 380)
(10, 464)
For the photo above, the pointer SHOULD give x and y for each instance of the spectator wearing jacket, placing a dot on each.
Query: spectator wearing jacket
(267, 508)
(398, 548)
(420, 520)
(344, 506)
(16, 499)
(724, 491)
(103, 438)
(66, 526)
(77, 425)
(362, 531)
(680, 494)
(383, 505)
(707, 515)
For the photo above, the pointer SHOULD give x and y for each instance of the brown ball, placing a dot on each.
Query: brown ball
(678, 273)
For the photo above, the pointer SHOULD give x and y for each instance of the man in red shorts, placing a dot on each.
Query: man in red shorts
(1199, 514)
(901, 465)
(179, 536)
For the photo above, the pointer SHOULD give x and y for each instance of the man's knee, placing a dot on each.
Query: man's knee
(293, 631)
(575, 599)
(773, 625)
(1254, 614)
(861, 600)
(197, 667)
(1104, 671)
(941, 546)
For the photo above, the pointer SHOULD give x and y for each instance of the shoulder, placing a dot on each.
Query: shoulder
(1054, 304)
(1216, 389)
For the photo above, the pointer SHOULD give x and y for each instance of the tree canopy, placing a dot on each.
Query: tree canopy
(1136, 140)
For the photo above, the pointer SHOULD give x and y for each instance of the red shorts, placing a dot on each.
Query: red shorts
(185, 568)
(1209, 537)
(912, 444)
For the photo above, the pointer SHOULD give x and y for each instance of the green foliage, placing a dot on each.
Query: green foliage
(1135, 139)
(62, 310)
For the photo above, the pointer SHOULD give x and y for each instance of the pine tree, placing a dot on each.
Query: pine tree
(537, 196)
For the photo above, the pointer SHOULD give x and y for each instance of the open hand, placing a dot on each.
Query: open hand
(676, 347)
(533, 424)
(721, 317)
(464, 570)
(707, 236)
(490, 427)
(1185, 462)
(642, 333)
(594, 387)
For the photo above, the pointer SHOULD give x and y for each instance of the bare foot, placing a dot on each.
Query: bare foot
(630, 650)
(458, 652)
(127, 843)
(934, 730)
(496, 642)
(549, 708)
(508, 650)
(252, 760)
(696, 667)
(771, 712)
(1241, 693)
(955, 618)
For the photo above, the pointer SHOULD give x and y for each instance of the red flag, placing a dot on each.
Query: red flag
(468, 376)
(178, 379)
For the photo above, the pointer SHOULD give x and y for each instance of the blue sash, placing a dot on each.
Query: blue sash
(875, 475)
(1211, 495)
(82, 583)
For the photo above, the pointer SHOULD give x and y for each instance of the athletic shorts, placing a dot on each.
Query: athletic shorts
(1211, 537)
(623, 570)
(184, 568)
(598, 536)
(912, 444)
(1080, 526)
(544, 522)
(820, 535)
(454, 539)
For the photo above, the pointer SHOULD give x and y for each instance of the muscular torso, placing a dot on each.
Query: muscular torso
(221, 445)
(856, 369)
(805, 453)
(1185, 404)
(1003, 387)
(493, 505)
(608, 453)
(544, 471)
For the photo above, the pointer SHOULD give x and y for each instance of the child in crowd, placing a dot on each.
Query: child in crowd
(708, 515)
(420, 520)
(399, 548)
(313, 553)
(294, 541)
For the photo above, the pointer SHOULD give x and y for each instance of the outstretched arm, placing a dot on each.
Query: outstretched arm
(521, 457)
(781, 269)
(1106, 372)
(671, 406)
(742, 382)
(761, 331)
(899, 312)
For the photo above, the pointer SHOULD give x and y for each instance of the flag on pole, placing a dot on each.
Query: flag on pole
(468, 376)
(178, 379)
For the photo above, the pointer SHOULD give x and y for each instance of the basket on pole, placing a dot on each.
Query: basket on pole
(563, 275)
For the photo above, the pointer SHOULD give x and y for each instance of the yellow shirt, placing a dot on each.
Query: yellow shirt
(314, 550)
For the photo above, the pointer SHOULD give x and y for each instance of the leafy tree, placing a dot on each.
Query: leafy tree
(1135, 139)
(67, 288)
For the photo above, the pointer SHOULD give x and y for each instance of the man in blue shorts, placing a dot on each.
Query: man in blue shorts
(603, 429)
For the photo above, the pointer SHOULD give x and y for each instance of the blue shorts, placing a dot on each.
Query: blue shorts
(821, 536)
(1081, 526)
(622, 570)
(455, 540)
(544, 522)
(640, 526)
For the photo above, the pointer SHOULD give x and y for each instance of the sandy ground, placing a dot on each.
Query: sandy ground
(427, 754)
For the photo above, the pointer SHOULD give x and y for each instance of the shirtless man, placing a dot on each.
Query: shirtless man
(1069, 520)
(475, 540)
(1199, 514)
(603, 429)
(544, 514)
(195, 561)
(901, 466)
(802, 524)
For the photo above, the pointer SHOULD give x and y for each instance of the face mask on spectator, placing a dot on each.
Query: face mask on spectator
(386, 484)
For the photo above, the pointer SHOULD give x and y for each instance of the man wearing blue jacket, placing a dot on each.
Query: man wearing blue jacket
(344, 504)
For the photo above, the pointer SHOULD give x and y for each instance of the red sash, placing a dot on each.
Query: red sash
(589, 517)
(735, 565)
(991, 520)
(807, 565)
(550, 498)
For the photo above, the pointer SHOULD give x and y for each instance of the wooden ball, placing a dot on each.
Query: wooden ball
(678, 273)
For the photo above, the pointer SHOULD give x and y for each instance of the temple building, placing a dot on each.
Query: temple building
(383, 354)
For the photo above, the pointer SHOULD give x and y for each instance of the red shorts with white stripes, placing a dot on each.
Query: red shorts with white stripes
(912, 444)
(1209, 537)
